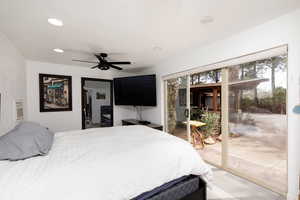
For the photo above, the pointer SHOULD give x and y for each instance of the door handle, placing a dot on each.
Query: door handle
(186, 113)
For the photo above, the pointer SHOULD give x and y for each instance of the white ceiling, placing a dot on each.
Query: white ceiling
(141, 31)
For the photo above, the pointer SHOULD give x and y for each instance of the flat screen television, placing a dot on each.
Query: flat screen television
(135, 90)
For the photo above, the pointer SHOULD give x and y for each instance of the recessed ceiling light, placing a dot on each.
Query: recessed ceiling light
(55, 22)
(58, 50)
(207, 19)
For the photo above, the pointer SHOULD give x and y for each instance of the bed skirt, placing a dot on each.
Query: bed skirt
(190, 188)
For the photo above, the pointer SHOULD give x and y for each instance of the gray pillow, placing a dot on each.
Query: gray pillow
(26, 140)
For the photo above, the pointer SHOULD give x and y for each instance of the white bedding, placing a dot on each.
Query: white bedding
(115, 163)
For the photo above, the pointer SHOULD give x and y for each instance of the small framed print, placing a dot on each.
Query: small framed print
(100, 96)
(19, 105)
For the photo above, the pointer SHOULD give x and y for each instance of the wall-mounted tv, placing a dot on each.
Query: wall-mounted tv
(135, 90)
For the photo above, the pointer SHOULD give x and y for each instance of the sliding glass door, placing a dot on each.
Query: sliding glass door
(205, 89)
(177, 108)
(236, 118)
(257, 144)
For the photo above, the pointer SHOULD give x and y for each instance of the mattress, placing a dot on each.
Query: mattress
(164, 187)
(185, 188)
(117, 163)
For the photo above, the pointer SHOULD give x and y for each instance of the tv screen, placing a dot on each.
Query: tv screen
(135, 90)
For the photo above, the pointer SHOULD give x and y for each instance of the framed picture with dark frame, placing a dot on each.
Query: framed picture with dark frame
(55, 93)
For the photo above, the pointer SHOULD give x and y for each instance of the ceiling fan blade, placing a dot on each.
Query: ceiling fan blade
(115, 67)
(95, 67)
(120, 63)
(85, 61)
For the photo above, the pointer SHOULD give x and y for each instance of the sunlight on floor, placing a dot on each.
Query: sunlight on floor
(253, 158)
(226, 186)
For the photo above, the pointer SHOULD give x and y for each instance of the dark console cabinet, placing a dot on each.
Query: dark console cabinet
(128, 122)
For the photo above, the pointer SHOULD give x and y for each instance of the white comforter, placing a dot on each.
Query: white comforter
(101, 164)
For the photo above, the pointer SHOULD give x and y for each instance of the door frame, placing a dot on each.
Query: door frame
(83, 79)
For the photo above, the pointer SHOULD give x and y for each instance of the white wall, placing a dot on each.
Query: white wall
(62, 121)
(12, 82)
(282, 30)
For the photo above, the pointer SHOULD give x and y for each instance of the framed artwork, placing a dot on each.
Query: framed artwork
(100, 96)
(19, 105)
(55, 93)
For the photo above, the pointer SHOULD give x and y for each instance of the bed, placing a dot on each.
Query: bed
(117, 163)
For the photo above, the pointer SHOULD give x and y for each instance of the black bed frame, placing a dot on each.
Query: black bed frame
(199, 194)
(193, 188)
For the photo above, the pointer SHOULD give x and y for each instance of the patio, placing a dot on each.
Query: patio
(259, 154)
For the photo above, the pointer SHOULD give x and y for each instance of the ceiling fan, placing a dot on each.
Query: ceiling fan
(103, 64)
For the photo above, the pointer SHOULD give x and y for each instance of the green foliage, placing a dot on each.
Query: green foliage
(213, 125)
(279, 95)
(270, 104)
(211, 119)
(279, 101)
(196, 114)
(247, 103)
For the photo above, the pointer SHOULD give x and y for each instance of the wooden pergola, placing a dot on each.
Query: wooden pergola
(204, 90)
(214, 90)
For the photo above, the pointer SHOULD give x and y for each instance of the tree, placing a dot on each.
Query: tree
(172, 88)
(276, 64)
(212, 76)
(251, 70)
(279, 100)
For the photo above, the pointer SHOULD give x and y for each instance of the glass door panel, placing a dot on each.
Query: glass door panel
(205, 90)
(177, 107)
(257, 139)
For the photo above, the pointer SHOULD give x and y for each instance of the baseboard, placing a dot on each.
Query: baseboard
(293, 197)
